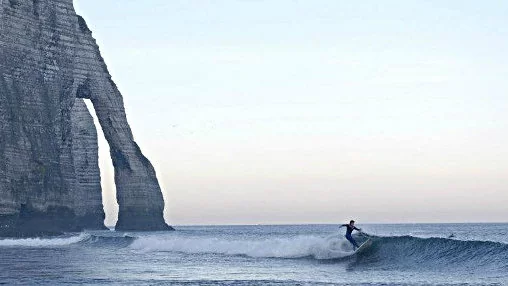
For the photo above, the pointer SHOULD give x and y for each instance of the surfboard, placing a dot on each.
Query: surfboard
(364, 246)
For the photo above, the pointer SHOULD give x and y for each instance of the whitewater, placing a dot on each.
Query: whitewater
(401, 254)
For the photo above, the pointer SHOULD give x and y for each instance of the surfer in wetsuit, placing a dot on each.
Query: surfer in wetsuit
(350, 227)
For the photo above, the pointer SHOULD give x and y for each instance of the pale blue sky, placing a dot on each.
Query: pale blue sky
(314, 111)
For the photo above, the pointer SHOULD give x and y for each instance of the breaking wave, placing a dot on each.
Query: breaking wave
(385, 252)
(43, 242)
(295, 247)
(392, 252)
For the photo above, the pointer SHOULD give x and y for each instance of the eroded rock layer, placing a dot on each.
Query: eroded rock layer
(49, 175)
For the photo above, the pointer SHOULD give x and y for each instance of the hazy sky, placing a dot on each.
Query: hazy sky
(314, 111)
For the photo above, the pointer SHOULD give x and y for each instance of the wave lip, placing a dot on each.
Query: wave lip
(294, 247)
(97, 240)
(43, 242)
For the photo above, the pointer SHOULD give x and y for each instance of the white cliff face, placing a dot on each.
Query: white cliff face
(87, 198)
(49, 175)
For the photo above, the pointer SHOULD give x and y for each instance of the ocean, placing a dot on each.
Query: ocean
(401, 254)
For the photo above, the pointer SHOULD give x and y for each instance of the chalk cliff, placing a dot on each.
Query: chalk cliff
(49, 173)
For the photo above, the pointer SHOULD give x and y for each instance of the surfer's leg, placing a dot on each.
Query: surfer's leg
(353, 242)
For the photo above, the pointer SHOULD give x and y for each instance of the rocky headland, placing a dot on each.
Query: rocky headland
(49, 172)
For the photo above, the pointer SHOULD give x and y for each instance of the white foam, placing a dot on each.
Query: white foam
(43, 242)
(294, 247)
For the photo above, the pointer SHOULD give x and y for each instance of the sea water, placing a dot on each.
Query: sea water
(401, 254)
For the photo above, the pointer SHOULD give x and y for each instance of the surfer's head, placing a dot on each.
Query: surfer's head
(351, 222)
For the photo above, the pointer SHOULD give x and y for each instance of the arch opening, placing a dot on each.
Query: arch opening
(108, 186)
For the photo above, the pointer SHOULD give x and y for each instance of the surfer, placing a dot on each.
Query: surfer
(350, 227)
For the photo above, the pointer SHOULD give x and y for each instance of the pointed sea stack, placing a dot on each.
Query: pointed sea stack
(49, 173)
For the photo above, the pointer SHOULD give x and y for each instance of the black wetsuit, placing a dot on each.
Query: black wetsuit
(348, 234)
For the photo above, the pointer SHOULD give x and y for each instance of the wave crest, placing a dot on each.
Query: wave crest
(43, 242)
(294, 247)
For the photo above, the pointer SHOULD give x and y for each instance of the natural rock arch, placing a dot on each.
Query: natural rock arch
(49, 176)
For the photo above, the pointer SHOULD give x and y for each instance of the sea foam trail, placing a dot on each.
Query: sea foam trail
(294, 247)
(43, 242)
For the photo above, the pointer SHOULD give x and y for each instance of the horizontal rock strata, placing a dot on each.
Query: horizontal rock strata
(49, 173)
